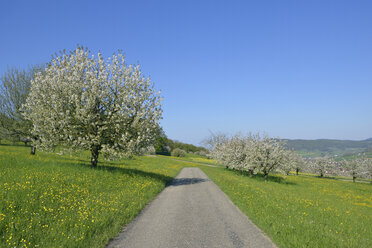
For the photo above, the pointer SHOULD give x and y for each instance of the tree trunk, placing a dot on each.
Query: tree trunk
(94, 157)
(321, 174)
(265, 176)
(250, 173)
(33, 150)
(297, 170)
(354, 177)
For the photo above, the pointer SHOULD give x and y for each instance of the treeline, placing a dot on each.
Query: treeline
(165, 146)
(358, 167)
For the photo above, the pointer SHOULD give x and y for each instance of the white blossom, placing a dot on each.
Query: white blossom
(321, 165)
(251, 153)
(357, 167)
(91, 103)
(268, 154)
(368, 169)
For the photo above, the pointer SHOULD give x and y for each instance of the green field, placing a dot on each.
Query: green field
(193, 158)
(341, 178)
(49, 199)
(302, 211)
(367, 154)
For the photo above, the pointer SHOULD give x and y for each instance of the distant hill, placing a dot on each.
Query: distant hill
(320, 147)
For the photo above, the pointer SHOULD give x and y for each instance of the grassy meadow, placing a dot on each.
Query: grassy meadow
(327, 176)
(193, 158)
(48, 200)
(302, 211)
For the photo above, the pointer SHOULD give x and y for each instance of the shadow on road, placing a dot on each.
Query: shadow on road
(187, 181)
(113, 167)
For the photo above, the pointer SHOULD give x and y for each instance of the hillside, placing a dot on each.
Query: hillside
(329, 146)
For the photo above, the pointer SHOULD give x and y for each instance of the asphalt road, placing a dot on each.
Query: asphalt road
(191, 212)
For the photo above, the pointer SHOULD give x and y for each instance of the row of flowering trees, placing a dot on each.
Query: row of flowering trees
(256, 153)
(359, 167)
(81, 100)
(253, 153)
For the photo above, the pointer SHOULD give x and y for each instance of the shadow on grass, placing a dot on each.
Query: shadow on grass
(135, 172)
(100, 163)
(110, 166)
(260, 177)
(113, 167)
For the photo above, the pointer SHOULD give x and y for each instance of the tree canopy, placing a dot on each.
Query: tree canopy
(89, 102)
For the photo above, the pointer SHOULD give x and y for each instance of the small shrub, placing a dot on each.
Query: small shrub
(178, 153)
(150, 150)
(202, 153)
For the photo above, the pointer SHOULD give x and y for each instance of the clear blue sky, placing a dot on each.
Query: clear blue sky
(294, 69)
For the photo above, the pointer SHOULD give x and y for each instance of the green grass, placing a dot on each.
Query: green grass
(331, 177)
(355, 156)
(301, 211)
(193, 158)
(49, 200)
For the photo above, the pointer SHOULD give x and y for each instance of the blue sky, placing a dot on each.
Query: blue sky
(293, 69)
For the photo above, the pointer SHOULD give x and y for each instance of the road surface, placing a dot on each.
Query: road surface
(191, 212)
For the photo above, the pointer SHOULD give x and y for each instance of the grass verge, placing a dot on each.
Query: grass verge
(302, 211)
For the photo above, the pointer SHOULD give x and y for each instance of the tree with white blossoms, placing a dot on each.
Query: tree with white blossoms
(268, 154)
(251, 153)
(150, 150)
(217, 143)
(290, 162)
(355, 167)
(296, 162)
(321, 165)
(246, 150)
(229, 151)
(85, 101)
(368, 169)
(235, 153)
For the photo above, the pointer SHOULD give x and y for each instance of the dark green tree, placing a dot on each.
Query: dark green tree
(162, 143)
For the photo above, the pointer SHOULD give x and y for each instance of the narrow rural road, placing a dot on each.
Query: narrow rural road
(191, 212)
